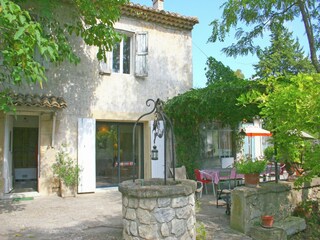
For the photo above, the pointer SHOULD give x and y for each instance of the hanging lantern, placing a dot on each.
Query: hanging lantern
(242, 133)
(154, 153)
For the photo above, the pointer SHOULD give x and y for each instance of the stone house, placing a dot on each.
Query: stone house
(92, 106)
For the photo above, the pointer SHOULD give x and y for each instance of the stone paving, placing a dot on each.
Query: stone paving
(216, 222)
(90, 216)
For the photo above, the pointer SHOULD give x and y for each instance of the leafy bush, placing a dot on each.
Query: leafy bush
(246, 166)
(65, 168)
(268, 153)
(201, 231)
(309, 210)
(310, 165)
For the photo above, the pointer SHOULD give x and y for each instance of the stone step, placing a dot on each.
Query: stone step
(280, 229)
(261, 233)
(291, 225)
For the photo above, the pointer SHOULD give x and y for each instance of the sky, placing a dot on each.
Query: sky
(206, 11)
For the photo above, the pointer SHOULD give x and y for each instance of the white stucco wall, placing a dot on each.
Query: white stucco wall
(120, 97)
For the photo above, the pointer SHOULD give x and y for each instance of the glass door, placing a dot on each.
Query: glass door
(114, 149)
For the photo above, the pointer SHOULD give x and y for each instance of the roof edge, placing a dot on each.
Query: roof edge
(159, 16)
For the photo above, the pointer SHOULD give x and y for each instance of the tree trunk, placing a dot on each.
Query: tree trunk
(309, 31)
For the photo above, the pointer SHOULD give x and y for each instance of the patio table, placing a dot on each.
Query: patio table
(214, 176)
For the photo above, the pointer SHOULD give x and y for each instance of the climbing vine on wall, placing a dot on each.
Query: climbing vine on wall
(218, 102)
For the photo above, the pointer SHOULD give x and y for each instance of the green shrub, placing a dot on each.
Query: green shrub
(65, 168)
(309, 210)
(248, 166)
(201, 231)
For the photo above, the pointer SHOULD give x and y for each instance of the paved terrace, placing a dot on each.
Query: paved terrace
(90, 216)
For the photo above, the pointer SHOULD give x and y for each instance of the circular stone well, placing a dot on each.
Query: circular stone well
(152, 210)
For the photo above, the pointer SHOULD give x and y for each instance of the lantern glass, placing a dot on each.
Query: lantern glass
(154, 153)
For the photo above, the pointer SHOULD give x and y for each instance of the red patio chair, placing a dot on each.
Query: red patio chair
(199, 178)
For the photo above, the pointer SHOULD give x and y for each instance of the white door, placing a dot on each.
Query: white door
(157, 165)
(87, 154)
(8, 173)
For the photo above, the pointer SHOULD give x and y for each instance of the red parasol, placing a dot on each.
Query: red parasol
(254, 131)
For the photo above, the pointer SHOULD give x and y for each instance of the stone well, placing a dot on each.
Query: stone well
(152, 210)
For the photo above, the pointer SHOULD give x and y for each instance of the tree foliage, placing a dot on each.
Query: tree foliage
(259, 16)
(32, 28)
(283, 57)
(289, 105)
(216, 71)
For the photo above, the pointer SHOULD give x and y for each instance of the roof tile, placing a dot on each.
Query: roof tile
(158, 16)
(35, 100)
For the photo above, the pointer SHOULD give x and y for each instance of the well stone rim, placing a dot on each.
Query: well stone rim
(155, 188)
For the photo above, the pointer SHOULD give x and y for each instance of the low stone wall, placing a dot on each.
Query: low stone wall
(308, 191)
(277, 199)
(152, 210)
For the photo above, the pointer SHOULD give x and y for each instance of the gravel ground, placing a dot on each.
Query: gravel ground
(90, 216)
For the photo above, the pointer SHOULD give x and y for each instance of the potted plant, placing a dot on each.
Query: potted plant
(251, 170)
(267, 221)
(67, 171)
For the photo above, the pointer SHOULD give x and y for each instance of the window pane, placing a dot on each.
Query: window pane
(225, 142)
(126, 55)
(114, 149)
(116, 58)
(217, 144)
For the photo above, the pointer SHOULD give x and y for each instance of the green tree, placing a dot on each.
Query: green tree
(259, 16)
(284, 56)
(216, 71)
(31, 27)
(239, 74)
(289, 105)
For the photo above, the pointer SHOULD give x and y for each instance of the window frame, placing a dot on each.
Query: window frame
(138, 56)
(121, 52)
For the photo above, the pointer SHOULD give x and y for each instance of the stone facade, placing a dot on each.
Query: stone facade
(113, 97)
(158, 211)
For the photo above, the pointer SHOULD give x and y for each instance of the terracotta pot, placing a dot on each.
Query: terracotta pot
(267, 221)
(66, 191)
(251, 179)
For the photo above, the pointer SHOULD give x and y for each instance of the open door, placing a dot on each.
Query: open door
(87, 154)
(8, 172)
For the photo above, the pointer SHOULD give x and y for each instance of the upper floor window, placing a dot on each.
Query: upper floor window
(132, 51)
(121, 55)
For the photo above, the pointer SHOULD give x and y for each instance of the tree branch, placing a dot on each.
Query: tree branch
(310, 35)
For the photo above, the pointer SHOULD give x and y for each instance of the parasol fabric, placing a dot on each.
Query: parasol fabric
(306, 135)
(302, 134)
(254, 131)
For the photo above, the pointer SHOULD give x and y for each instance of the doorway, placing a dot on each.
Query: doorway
(21, 154)
(114, 148)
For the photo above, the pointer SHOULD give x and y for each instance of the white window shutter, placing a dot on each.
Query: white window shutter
(87, 154)
(105, 67)
(141, 64)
